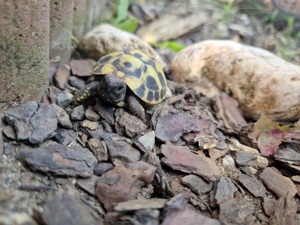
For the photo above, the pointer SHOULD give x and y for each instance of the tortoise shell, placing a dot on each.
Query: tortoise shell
(140, 72)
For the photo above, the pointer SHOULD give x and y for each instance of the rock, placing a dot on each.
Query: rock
(102, 168)
(59, 160)
(19, 117)
(78, 113)
(148, 140)
(277, 183)
(197, 184)
(181, 158)
(43, 123)
(81, 67)
(123, 183)
(66, 207)
(76, 82)
(90, 114)
(243, 71)
(17, 219)
(98, 148)
(62, 76)
(127, 124)
(120, 151)
(64, 99)
(172, 126)
(62, 117)
(105, 39)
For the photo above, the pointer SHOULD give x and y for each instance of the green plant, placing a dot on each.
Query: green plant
(173, 45)
(121, 21)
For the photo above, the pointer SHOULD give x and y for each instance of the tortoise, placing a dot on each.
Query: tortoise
(134, 69)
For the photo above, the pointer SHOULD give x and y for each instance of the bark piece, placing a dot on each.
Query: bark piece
(105, 111)
(228, 112)
(120, 151)
(197, 184)
(253, 185)
(138, 204)
(179, 212)
(9, 132)
(123, 183)
(88, 184)
(226, 189)
(43, 123)
(19, 117)
(288, 155)
(81, 68)
(277, 183)
(60, 160)
(127, 124)
(62, 117)
(285, 211)
(65, 137)
(172, 126)
(98, 148)
(102, 168)
(78, 113)
(181, 158)
(62, 76)
(90, 114)
(237, 210)
(71, 210)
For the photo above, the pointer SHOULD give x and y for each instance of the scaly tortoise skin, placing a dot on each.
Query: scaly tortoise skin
(134, 69)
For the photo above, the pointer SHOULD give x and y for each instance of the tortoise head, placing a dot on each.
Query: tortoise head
(112, 89)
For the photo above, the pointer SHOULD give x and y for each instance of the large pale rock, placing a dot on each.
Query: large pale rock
(105, 39)
(262, 82)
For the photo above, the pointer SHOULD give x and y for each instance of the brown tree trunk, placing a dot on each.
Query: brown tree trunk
(24, 50)
(61, 23)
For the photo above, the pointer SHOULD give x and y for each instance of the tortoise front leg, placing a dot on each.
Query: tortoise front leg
(135, 107)
(89, 90)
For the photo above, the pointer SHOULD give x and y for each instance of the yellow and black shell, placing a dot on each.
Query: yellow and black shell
(140, 72)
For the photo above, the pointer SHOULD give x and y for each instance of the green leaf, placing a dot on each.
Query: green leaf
(121, 12)
(173, 45)
(129, 25)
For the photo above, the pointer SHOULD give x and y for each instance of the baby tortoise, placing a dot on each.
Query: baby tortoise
(134, 69)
